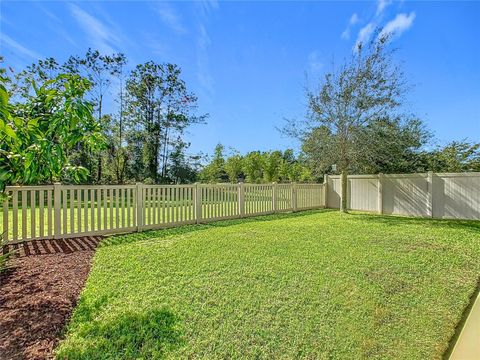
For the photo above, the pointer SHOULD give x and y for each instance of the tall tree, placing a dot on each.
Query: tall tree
(159, 108)
(183, 168)
(214, 172)
(385, 146)
(234, 167)
(253, 167)
(272, 166)
(101, 70)
(366, 89)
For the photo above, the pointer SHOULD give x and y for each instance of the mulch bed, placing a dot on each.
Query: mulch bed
(39, 292)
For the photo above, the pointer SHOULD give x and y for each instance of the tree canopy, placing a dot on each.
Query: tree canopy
(137, 137)
(41, 129)
(355, 119)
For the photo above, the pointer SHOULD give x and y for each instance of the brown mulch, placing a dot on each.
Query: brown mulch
(39, 292)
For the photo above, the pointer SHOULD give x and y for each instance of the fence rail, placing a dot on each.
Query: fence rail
(61, 211)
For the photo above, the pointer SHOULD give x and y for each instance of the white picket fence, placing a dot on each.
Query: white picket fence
(438, 195)
(63, 211)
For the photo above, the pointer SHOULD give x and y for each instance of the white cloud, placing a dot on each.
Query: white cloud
(314, 62)
(393, 28)
(207, 6)
(204, 76)
(170, 18)
(51, 15)
(100, 35)
(17, 48)
(353, 20)
(364, 34)
(382, 5)
(397, 26)
(56, 24)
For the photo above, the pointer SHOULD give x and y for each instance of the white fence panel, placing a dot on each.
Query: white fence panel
(90, 210)
(58, 211)
(258, 199)
(363, 192)
(219, 202)
(406, 195)
(453, 196)
(309, 196)
(334, 191)
(31, 215)
(456, 196)
(167, 205)
(284, 196)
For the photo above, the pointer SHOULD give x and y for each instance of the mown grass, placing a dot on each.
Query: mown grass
(313, 285)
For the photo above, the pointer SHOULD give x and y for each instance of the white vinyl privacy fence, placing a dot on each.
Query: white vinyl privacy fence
(61, 211)
(438, 195)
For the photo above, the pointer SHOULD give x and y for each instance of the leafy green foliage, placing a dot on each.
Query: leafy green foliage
(214, 172)
(38, 132)
(101, 70)
(143, 134)
(309, 285)
(159, 108)
(457, 156)
(255, 167)
(183, 168)
(234, 167)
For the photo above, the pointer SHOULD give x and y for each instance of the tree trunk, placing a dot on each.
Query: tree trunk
(344, 202)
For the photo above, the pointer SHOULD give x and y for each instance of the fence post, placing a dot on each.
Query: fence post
(241, 199)
(325, 190)
(139, 197)
(380, 193)
(5, 218)
(57, 194)
(294, 196)
(274, 196)
(198, 203)
(430, 193)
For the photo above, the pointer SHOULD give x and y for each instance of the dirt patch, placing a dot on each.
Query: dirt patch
(38, 294)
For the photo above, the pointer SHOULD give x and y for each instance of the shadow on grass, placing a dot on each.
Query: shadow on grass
(394, 220)
(163, 233)
(130, 336)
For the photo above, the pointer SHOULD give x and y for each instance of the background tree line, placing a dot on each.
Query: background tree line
(309, 165)
(255, 167)
(129, 125)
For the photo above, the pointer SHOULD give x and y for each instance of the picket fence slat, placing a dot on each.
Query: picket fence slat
(60, 211)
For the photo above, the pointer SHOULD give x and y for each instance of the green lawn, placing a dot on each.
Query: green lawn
(309, 285)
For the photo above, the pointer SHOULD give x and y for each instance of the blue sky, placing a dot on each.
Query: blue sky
(249, 62)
